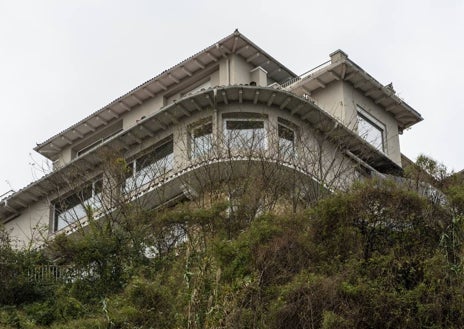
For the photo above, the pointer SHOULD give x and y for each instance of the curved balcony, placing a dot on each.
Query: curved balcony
(231, 110)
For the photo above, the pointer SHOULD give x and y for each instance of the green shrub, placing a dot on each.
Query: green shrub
(41, 313)
(143, 303)
(68, 308)
(87, 323)
(331, 320)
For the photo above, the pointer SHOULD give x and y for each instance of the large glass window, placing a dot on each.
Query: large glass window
(201, 140)
(245, 134)
(370, 131)
(150, 166)
(76, 206)
(286, 142)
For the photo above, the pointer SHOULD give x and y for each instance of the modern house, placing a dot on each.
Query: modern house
(225, 107)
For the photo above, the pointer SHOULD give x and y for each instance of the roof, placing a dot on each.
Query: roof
(306, 110)
(235, 43)
(342, 68)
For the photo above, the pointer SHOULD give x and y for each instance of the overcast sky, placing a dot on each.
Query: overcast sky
(62, 60)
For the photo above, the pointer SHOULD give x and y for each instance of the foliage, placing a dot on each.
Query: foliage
(15, 284)
(378, 256)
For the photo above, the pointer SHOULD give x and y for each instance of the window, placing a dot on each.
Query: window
(75, 206)
(286, 142)
(245, 134)
(371, 131)
(150, 166)
(97, 139)
(201, 140)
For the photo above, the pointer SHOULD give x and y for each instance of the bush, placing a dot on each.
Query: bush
(88, 323)
(144, 303)
(41, 313)
(302, 302)
(68, 308)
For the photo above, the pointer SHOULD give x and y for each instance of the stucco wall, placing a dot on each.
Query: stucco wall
(239, 70)
(331, 99)
(354, 98)
(145, 109)
(28, 227)
(340, 99)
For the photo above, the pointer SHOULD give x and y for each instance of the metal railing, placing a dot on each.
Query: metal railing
(49, 273)
(56, 273)
(305, 75)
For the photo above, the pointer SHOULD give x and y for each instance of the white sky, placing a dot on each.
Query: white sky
(62, 60)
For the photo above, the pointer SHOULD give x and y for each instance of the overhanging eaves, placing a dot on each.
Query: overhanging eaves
(235, 43)
(135, 136)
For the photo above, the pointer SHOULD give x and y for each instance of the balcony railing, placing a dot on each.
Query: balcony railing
(305, 75)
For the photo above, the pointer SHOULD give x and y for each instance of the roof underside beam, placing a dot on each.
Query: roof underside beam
(101, 119)
(254, 56)
(161, 85)
(183, 110)
(149, 92)
(320, 83)
(285, 103)
(124, 106)
(223, 50)
(210, 101)
(234, 46)
(224, 97)
(297, 108)
(196, 104)
(173, 78)
(112, 113)
(146, 130)
(271, 99)
(138, 100)
(171, 117)
(186, 71)
(351, 75)
(198, 63)
(212, 57)
(255, 98)
(89, 126)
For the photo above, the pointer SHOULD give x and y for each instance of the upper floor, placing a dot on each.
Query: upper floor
(339, 87)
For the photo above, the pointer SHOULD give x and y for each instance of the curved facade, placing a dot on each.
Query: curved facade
(216, 116)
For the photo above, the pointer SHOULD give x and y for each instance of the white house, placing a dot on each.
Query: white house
(205, 111)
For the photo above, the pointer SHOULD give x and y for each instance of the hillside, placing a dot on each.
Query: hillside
(377, 256)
